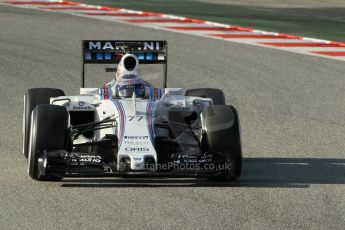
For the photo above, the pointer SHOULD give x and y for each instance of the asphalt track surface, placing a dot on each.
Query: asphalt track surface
(292, 117)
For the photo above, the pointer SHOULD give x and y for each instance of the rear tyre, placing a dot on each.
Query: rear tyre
(48, 132)
(217, 95)
(221, 138)
(32, 98)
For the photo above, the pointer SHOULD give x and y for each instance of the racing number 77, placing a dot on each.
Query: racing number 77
(131, 118)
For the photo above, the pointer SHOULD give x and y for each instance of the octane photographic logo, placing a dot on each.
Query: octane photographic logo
(174, 166)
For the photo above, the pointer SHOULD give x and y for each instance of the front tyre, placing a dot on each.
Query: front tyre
(32, 98)
(48, 132)
(221, 138)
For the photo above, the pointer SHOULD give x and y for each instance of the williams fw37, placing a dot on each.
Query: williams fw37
(129, 126)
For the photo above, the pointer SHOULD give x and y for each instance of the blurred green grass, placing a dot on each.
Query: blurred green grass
(291, 21)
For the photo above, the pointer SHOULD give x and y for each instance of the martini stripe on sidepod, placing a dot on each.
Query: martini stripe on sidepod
(148, 104)
(110, 93)
(101, 92)
(106, 95)
(122, 122)
(159, 94)
(149, 119)
(152, 119)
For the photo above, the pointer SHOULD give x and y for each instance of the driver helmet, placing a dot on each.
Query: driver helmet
(129, 84)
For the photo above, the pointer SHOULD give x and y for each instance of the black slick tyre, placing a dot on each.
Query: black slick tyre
(48, 132)
(32, 98)
(221, 138)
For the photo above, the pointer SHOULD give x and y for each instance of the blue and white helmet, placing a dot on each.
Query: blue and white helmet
(129, 84)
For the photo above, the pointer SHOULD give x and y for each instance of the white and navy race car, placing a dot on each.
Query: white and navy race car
(146, 132)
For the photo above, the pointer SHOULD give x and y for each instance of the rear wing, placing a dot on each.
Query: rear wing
(111, 52)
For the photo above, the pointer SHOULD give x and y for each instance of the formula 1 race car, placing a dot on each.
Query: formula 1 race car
(147, 132)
